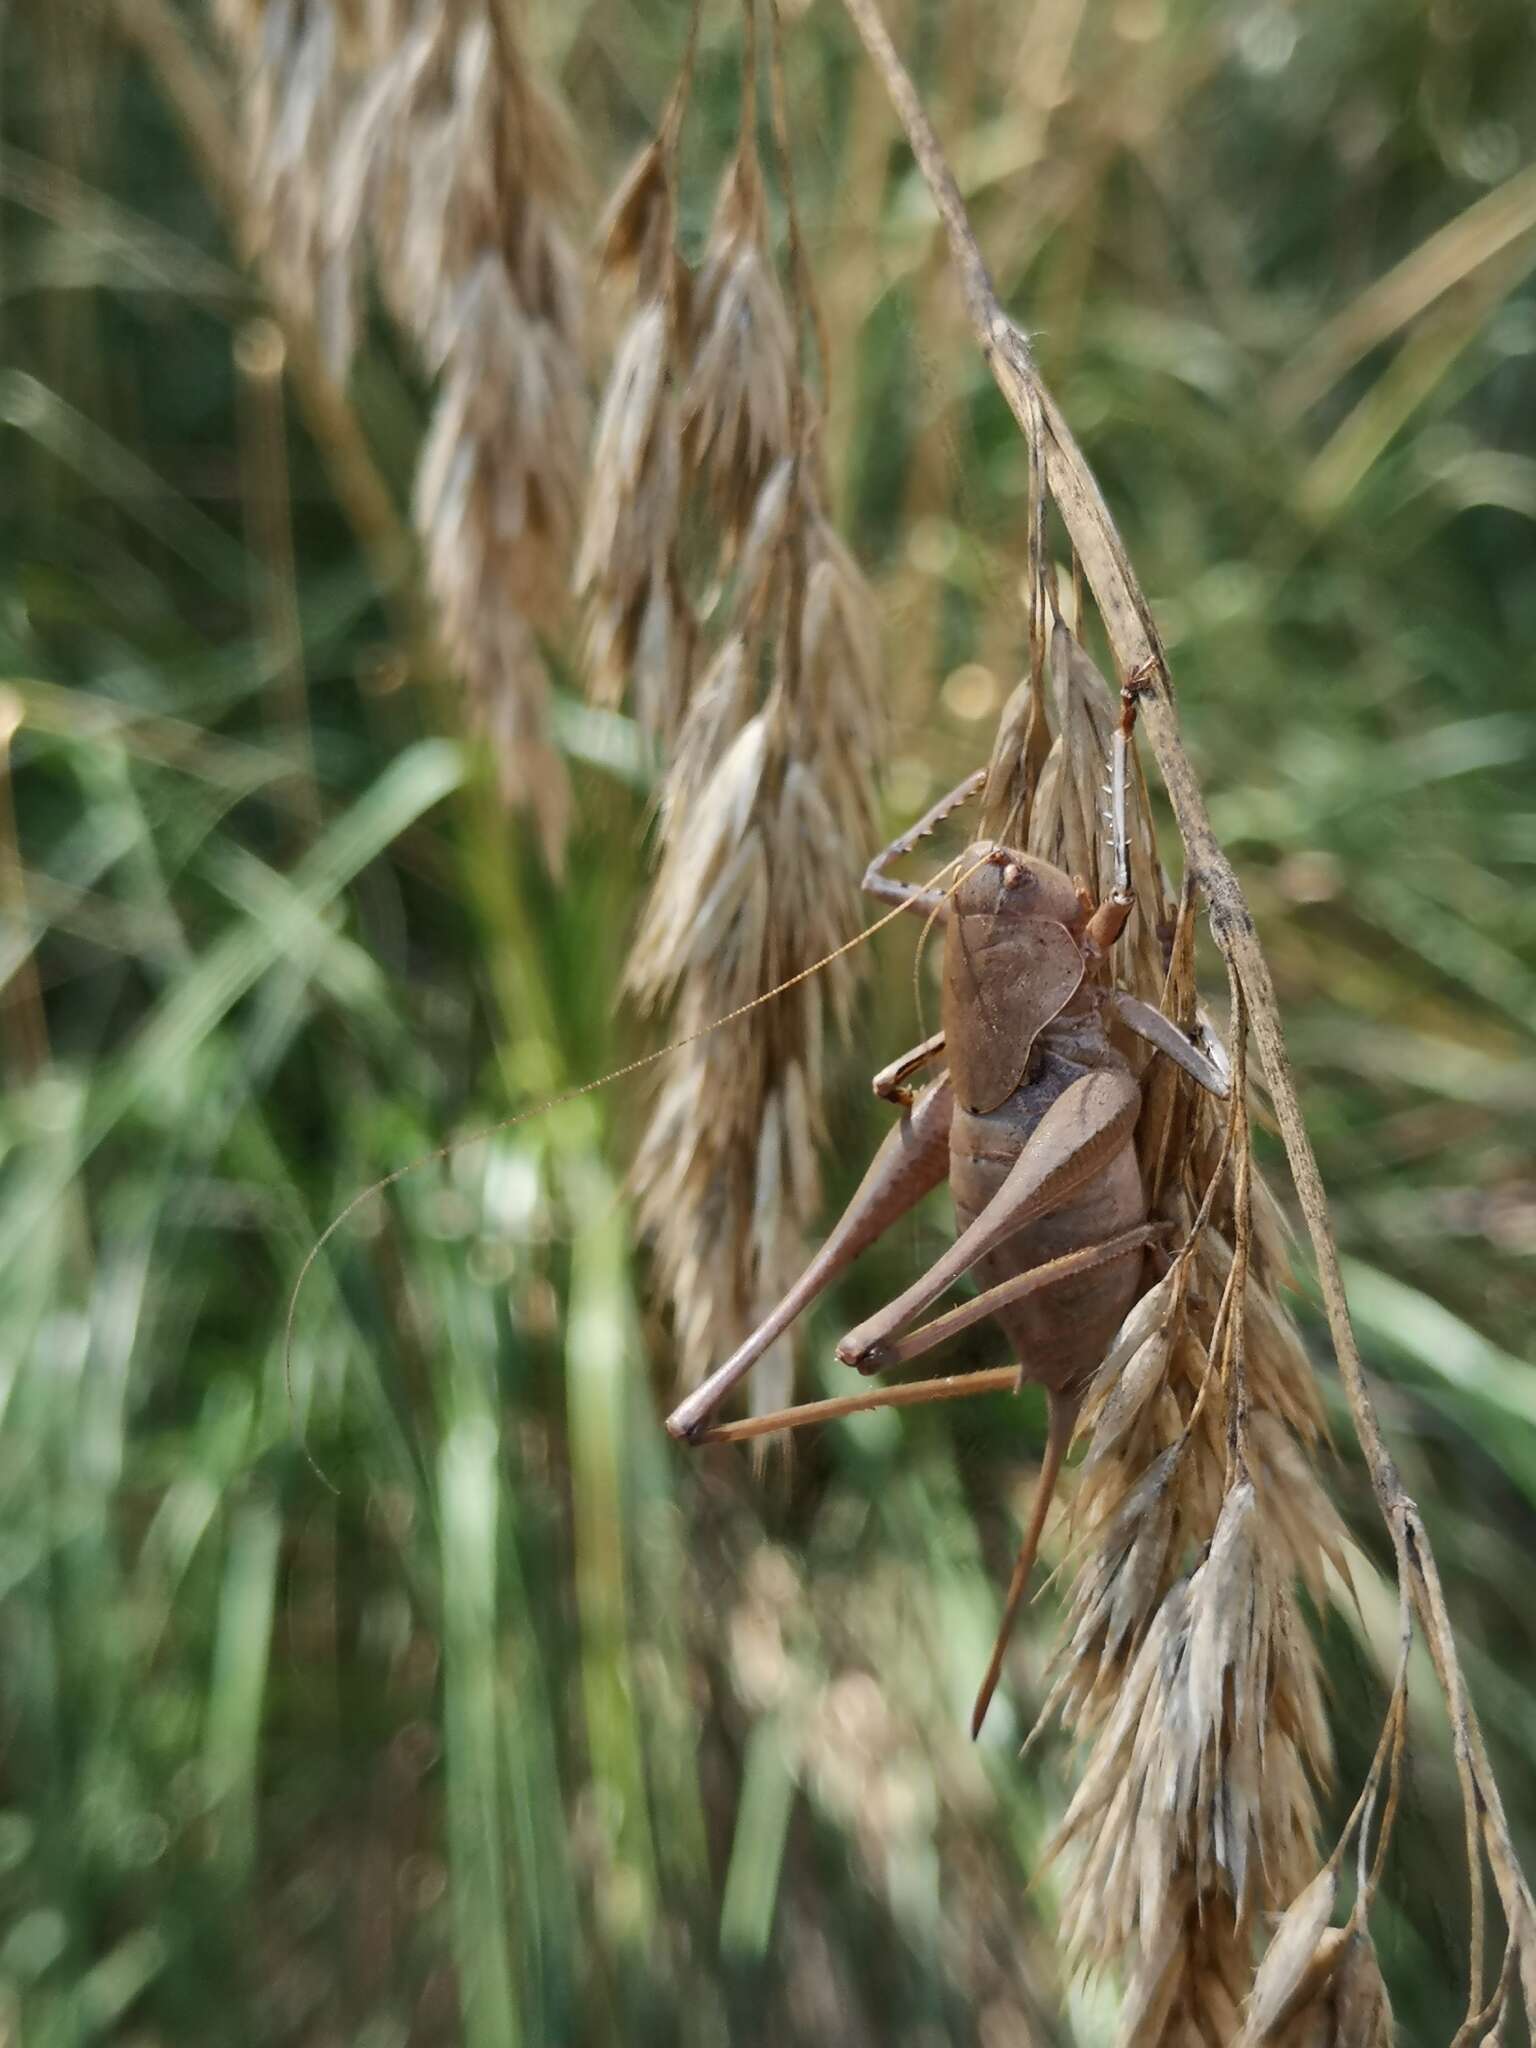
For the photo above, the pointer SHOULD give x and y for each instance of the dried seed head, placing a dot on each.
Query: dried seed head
(754, 886)
(635, 238)
(765, 809)
(641, 633)
(424, 138)
(1297, 1961)
(1318, 1986)
(300, 70)
(454, 158)
(842, 676)
(736, 404)
(765, 820)
(1186, 1986)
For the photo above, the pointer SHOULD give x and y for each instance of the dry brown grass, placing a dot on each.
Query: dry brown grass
(1185, 1670)
(766, 804)
(641, 630)
(421, 142)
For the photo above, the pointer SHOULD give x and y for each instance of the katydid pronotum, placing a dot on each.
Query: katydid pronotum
(1032, 1122)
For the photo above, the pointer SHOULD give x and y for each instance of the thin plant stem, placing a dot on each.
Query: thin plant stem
(21, 1003)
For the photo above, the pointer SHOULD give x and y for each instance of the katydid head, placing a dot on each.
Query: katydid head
(998, 881)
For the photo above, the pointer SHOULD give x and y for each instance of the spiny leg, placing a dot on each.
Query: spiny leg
(885, 888)
(913, 1159)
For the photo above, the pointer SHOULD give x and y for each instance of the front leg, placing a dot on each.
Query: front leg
(1083, 1130)
(885, 888)
(913, 1159)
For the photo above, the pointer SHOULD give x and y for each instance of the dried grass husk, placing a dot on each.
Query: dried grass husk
(416, 135)
(767, 707)
(755, 885)
(641, 630)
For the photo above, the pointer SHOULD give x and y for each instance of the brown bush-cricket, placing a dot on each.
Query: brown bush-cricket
(1033, 1124)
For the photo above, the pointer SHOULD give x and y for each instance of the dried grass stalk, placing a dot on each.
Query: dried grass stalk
(766, 804)
(426, 140)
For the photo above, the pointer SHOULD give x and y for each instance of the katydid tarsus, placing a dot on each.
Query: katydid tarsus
(1032, 1122)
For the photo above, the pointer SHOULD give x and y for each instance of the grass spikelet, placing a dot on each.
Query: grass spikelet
(300, 67)
(766, 807)
(1295, 1962)
(1326, 1995)
(640, 626)
(1187, 1985)
(431, 145)
(736, 404)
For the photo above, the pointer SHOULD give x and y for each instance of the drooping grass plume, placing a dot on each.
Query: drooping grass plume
(755, 883)
(425, 143)
(766, 807)
(1185, 1669)
(640, 625)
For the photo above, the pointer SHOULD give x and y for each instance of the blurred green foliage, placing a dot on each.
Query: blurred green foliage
(508, 1723)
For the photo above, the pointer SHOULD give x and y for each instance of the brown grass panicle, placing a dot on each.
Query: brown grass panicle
(1061, 472)
(766, 804)
(431, 146)
(641, 631)
(301, 64)
(754, 885)
(766, 813)
(1185, 1669)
